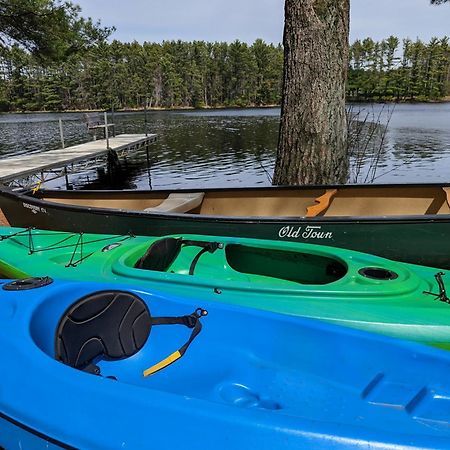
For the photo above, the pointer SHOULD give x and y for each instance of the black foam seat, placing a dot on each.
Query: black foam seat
(113, 325)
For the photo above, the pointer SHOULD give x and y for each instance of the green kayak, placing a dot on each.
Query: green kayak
(336, 285)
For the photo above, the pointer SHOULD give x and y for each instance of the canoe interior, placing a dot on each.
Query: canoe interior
(299, 267)
(315, 202)
(387, 202)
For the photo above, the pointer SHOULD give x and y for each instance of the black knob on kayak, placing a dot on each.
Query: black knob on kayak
(27, 284)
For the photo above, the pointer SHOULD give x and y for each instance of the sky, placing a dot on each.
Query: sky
(247, 20)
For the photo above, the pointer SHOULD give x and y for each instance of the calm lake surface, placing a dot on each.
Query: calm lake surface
(218, 148)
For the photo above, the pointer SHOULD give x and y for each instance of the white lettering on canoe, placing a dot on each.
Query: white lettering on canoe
(34, 209)
(310, 232)
(290, 232)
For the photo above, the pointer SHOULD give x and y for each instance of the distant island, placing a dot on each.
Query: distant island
(177, 74)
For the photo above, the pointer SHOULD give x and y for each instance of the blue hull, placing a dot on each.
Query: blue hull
(250, 380)
(14, 436)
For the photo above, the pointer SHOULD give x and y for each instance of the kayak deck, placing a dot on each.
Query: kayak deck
(239, 370)
(336, 285)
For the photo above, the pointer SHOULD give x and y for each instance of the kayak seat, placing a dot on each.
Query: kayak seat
(179, 203)
(114, 325)
(162, 253)
(111, 324)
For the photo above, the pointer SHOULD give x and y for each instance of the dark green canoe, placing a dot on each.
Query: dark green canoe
(409, 223)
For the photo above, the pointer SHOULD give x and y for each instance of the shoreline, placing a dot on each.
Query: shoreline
(218, 108)
(153, 109)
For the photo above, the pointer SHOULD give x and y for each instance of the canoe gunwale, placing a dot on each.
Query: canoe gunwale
(255, 188)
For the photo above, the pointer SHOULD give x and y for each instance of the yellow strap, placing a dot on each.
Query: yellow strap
(37, 187)
(164, 363)
(323, 202)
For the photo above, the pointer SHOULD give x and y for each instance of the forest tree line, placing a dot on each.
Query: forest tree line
(399, 71)
(176, 74)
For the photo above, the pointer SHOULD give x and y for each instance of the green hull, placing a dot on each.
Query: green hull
(326, 283)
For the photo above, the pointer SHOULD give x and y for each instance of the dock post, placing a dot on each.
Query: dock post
(145, 117)
(113, 121)
(66, 176)
(106, 131)
(147, 152)
(61, 132)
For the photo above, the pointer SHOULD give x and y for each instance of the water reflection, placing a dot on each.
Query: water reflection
(195, 149)
(415, 148)
(234, 147)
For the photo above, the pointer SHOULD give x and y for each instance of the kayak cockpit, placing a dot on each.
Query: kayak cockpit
(299, 267)
(240, 262)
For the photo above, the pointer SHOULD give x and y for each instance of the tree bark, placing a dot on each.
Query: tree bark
(312, 147)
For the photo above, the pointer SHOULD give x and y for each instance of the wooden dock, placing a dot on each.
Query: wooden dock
(37, 164)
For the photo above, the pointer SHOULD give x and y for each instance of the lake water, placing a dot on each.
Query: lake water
(218, 148)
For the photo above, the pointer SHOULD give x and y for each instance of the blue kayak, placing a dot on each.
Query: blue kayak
(90, 367)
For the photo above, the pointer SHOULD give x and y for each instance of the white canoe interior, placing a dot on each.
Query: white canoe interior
(315, 202)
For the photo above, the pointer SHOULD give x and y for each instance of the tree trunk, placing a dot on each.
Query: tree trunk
(312, 147)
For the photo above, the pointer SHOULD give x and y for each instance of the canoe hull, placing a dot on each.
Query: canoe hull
(419, 240)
